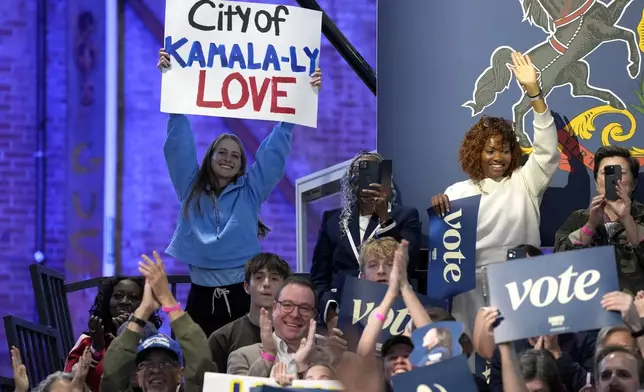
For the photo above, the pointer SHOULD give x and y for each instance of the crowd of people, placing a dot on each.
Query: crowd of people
(247, 314)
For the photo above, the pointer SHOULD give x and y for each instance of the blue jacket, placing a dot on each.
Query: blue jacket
(225, 235)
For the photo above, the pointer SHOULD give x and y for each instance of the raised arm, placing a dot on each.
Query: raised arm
(180, 154)
(270, 162)
(544, 160)
(191, 338)
(371, 333)
(270, 158)
(419, 315)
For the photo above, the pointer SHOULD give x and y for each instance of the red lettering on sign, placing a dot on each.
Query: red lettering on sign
(275, 93)
(250, 90)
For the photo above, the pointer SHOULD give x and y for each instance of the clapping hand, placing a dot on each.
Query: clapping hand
(303, 354)
(20, 378)
(81, 370)
(266, 332)
(154, 272)
(97, 333)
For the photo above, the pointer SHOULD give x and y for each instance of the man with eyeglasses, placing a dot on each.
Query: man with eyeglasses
(159, 364)
(157, 359)
(293, 339)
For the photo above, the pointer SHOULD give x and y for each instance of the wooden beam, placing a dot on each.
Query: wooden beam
(235, 125)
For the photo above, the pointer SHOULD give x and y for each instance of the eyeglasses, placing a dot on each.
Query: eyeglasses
(161, 365)
(288, 307)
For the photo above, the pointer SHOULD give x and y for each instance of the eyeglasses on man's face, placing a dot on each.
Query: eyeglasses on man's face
(157, 365)
(304, 309)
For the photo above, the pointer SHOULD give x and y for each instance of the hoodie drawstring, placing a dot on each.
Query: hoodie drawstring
(218, 293)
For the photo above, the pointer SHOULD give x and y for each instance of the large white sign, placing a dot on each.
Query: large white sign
(244, 60)
(216, 382)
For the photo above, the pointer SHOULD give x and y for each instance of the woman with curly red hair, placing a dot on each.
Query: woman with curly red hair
(510, 193)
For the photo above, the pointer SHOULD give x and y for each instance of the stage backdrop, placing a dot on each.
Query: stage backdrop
(440, 65)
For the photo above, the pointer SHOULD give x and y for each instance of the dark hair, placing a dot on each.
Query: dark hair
(437, 314)
(474, 143)
(272, 262)
(530, 250)
(541, 365)
(101, 306)
(616, 151)
(298, 280)
(605, 351)
(206, 182)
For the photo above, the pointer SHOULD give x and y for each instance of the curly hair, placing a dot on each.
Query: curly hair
(475, 140)
(349, 188)
(101, 306)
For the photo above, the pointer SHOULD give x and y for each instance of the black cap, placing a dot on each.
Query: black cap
(394, 340)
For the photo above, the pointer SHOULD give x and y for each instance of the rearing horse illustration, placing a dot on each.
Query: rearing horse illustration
(575, 28)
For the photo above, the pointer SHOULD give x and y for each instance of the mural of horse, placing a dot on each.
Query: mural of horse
(575, 29)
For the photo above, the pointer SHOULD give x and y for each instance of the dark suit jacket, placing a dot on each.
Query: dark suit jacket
(333, 257)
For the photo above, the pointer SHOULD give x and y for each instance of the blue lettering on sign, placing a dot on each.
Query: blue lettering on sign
(237, 57)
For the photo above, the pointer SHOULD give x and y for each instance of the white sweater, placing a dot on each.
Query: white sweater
(509, 213)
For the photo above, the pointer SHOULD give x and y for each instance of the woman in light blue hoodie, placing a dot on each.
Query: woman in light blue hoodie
(218, 225)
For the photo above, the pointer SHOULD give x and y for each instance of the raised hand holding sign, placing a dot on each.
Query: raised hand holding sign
(245, 60)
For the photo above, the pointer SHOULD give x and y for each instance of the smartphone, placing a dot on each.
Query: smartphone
(612, 174)
(516, 253)
(368, 173)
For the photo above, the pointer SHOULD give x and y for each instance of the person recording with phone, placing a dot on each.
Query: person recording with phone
(369, 210)
(510, 194)
(613, 217)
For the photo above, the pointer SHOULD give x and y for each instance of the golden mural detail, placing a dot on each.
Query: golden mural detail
(80, 168)
(640, 31)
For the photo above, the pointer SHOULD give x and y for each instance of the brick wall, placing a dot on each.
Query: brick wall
(347, 123)
(17, 145)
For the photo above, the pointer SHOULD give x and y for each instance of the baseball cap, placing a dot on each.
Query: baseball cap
(159, 342)
(394, 340)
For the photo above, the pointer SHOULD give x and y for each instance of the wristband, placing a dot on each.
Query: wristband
(173, 308)
(538, 95)
(587, 231)
(268, 357)
(379, 316)
(136, 320)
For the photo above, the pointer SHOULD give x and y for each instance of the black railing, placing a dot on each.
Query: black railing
(348, 52)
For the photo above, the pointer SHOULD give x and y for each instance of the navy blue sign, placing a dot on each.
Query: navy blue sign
(436, 342)
(452, 249)
(360, 297)
(451, 375)
(553, 294)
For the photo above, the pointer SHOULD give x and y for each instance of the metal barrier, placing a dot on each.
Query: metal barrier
(51, 302)
(42, 343)
(7, 384)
